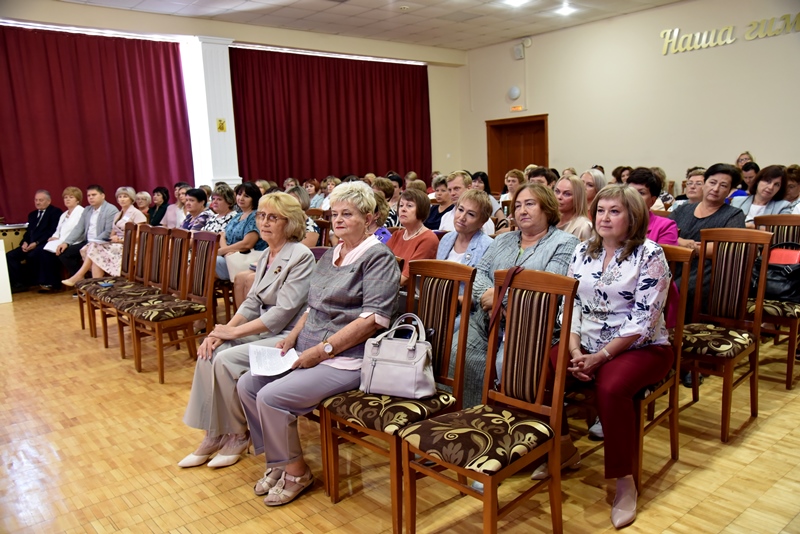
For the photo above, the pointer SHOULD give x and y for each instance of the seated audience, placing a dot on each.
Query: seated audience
(513, 181)
(143, 201)
(385, 187)
(42, 222)
(468, 243)
(571, 197)
(94, 226)
(315, 196)
(241, 243)
(749, 172)
(176, 213)
(542, 176)
(619, 342)
(397, 184)
(569, 171)
(263, 186)
(744, 157)
(694, 188)
(376, 226)
(222, 203)
(664, 197)
(312, 238)
(418, 184)
(480, 181)
(536, 244)
(620, 174)
(160, 205)
(459, 182)
(660, 229)
(272, 307)
(289, 183)
(410, 177)
(196, 214)
(45, 262)
(105, 256)
(414, 242)
(444, 204)
(766, 195)
(353, 293)
(332, 182)
(793, 186)
(594, 180)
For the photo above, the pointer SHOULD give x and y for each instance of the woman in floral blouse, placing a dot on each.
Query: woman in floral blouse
(618, 337)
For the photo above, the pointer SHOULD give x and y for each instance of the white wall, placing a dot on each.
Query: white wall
(614, 99)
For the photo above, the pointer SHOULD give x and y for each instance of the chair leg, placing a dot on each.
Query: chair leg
(674, 430)
(409, 491)
(695, 383)
(121, 334)
(396, 483)
(104, 323)
(792, 351)
(333, 461)
(490, 504)
(92, 317)
(323, 445)
(137, 346)
(191, 345)
(83, 319)
(754, 382)
(727, 395)
(556, 515)
(160, 349)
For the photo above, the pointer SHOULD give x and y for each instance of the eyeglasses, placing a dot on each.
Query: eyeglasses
(271, 218)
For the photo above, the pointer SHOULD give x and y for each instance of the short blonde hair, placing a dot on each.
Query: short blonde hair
(144, 195)
(127, 191)
(385, 185)
(358, 194)
(73, 191)
(464, 174)
(481, 199)
(381, 209)
(417, 184)
(287, 206)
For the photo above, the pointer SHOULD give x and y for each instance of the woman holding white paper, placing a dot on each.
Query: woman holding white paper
(352, 295)
(272, 307)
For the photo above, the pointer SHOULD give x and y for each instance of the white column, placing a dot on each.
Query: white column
(207, 78)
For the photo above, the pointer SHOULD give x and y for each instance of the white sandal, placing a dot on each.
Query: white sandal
(288, 488)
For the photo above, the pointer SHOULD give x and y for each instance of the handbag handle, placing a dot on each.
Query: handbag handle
(498, 299)
(415, 317)
(412, 341)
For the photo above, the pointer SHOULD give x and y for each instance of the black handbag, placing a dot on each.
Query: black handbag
(783, 281)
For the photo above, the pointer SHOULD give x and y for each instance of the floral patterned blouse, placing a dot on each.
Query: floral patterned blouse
(625, 300)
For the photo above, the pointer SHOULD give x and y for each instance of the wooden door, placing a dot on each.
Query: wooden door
(515, 144)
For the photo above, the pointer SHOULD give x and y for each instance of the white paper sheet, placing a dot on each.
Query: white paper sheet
(267, 361)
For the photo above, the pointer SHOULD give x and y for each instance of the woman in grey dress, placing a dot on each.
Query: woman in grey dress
(537, 245)
(273, 305)
(352, 295)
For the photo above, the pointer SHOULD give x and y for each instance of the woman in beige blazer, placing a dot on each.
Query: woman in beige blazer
(273, 305)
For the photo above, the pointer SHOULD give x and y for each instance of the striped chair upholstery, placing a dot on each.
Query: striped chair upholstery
(521, 372)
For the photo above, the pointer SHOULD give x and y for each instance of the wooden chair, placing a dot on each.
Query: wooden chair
(661, 213)
(172, 315)
(724, 335)
(679, 259)
(314, 213)
(126, 273)
(785, 229)
(325, 231)
(223, 289)
(154, 255)
(354, 414)
(440, 234)
(522, 414)
(506, 207)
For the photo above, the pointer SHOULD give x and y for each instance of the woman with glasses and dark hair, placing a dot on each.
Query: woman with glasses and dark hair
(241, 243)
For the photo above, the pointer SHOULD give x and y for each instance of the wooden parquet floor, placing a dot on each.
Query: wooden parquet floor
(90, 445)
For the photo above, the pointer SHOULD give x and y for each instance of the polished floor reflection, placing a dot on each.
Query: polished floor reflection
(90, 445)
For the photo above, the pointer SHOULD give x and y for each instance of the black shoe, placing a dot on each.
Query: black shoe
(686, 380)
(45, 289)
(18, 289)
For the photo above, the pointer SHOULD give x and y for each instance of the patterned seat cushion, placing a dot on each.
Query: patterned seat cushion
(96, 290)
(385, 413)
(713, 340)
(776, 308)
(89, 283)
(165, 307)
(126, 303)
(126, 292)
(482, 438)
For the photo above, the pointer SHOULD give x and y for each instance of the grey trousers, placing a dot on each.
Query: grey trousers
(213, 403)
(273, 403)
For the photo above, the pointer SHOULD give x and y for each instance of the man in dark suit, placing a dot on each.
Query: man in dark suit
(95, 225)
(42, 223)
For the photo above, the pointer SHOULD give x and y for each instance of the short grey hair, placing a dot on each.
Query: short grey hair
(301, 194)
(126, 190)
(358, 194)
(146, 196)
(439, 180)
(44, 192)
(598, 177)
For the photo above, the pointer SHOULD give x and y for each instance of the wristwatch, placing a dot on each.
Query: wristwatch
(328, 348)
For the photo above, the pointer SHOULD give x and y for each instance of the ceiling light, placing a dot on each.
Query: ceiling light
(515, 3)
(566, 9)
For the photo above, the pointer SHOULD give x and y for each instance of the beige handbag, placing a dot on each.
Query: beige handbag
(238, 262)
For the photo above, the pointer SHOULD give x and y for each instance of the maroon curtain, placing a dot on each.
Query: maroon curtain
(309, 117)
(79, 109)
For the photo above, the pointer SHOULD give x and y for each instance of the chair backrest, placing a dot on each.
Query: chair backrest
(179, 241)
(155, 273)
(734, 254)
(661, 213)
(202, 268)
(785, 228)
(318, 252)
(439, 234)
(679, 259)
(533, 302)
(314, 213)
(130, 246)
(324, 231)
(438, 284)
(506, 207)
